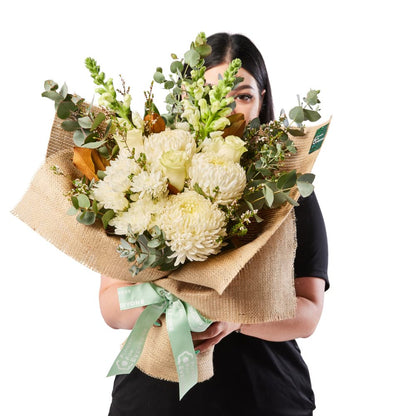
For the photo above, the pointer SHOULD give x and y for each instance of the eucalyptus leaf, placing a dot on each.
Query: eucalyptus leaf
(65, 108)
(287, 180)
(85, 122)
(78, 138)
(70, 125)
(258, 219)
(204, 50)
(307, 177)
(168, 85)
(290, 200)
(72, 211)
(305, 188)
(77, 100)
(311, 115)
(268, 195)
(296, 114)
(158, 77)
(108, 128)
(312, 97)
(95, 206)
(75, 202)
(99, 118)
(124, 244)
(176, 66)
(50, 85)
(107, 217)
(53, 95)
(86, 218)
(155, 243)
(83, 201)
(141, 258)
(192, 57)
(94, 145)
(279, 199)
(64, 90)
(170, 99)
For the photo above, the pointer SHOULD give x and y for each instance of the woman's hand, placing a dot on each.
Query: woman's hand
(213, 335)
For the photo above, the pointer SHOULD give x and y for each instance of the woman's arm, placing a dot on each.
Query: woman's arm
(110, 307)
(310, 300)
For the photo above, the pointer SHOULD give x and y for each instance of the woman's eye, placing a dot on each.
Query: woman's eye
(243, 97)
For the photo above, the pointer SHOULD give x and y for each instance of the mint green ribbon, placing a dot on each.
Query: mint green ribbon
(181, 319)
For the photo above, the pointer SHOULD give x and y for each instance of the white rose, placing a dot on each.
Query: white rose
(174, 166)
(231, 148)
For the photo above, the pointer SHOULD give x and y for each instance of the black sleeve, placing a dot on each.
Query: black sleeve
(312, 252)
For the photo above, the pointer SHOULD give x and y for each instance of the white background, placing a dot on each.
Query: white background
(55, 348)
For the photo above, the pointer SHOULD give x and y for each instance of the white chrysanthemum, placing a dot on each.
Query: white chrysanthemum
(110, 191)
(152, 183)
(158, 143)
(140, 216)
(194, 227)
(218, 177)
(108, 198)
(119, 172)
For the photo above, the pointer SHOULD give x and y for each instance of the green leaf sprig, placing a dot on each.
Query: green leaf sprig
(90, 129)
(148, 249)
(85, 207)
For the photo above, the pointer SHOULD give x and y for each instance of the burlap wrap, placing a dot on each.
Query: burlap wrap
(249, 284)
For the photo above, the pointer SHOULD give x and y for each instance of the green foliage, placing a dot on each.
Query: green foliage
(90, 130)
(308, 110)
(268, 185)
(84, 206)
(145, 250)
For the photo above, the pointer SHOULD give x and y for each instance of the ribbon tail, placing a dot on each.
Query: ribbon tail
(133, 347)
(197, 322)
(182, 347)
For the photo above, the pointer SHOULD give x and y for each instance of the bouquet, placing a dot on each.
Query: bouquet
(183, 191)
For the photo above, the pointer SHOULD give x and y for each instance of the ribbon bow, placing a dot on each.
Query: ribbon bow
(181, 319)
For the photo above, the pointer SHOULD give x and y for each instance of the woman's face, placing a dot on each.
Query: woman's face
(248, 98)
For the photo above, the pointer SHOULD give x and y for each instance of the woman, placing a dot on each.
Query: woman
(258, 367)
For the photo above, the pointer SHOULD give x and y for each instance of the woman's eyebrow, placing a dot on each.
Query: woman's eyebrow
(240, 87)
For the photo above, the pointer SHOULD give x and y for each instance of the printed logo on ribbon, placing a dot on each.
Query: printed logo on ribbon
(123, 364)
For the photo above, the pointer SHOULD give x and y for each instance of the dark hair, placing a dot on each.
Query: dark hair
(226, 47)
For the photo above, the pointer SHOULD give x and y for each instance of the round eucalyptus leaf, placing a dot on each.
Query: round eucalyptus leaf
(158, 77)
(176, 66)
(86, 218)
(70, 125)
(296, 114)
(83, 201)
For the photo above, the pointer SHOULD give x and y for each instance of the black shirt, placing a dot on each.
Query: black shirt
(252, 377)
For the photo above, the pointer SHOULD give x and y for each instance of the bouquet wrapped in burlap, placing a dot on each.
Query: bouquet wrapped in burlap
(249, 284)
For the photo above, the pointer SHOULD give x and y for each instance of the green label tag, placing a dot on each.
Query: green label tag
(319, 138)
